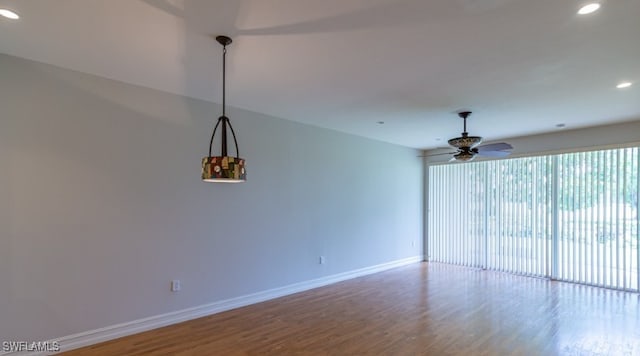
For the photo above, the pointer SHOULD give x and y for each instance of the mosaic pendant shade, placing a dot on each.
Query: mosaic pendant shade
(223, 168)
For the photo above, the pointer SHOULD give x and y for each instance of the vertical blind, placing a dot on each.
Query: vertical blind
(571, 217)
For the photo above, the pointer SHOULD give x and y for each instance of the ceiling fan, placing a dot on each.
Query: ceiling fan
(468, 145)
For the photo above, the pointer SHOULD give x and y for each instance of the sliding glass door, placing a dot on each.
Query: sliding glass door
(459, 214)
(598, 218)
(571, 217)
(520, 205)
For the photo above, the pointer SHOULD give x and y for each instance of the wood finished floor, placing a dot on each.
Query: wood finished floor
(421, 309)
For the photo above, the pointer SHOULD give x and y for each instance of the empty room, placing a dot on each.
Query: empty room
(340, 177)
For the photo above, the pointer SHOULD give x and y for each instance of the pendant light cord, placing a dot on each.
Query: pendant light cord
(224, 80)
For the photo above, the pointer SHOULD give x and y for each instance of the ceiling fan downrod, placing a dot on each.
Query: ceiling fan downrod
(464, 115)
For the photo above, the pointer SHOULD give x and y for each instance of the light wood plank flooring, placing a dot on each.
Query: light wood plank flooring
(421, 309)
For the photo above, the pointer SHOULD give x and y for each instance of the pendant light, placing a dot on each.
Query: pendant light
(223, 168)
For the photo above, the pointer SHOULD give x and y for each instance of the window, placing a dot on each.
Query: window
(571, 217)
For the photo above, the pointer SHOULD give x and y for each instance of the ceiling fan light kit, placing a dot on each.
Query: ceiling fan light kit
(464, 156)
(465, 141)
(468, 146)
(223, 168)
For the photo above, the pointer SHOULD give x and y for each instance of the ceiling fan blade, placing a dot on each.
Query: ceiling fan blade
(500, 146)
(439, 154)
(496, 154)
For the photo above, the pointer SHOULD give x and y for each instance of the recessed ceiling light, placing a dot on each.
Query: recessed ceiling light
(9, 14)
(561, 126)
(587, 9)
(624, 85)
(380, 122)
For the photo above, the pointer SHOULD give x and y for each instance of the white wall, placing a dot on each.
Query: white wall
(101, 203)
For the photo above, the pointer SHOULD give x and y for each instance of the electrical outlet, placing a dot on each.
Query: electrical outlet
(175, 285)
(413, 243)
(323, 260)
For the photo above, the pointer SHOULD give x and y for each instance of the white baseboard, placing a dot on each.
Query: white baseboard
(91, 337)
